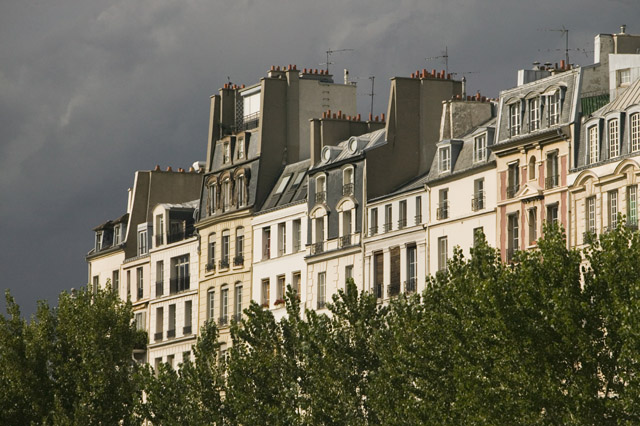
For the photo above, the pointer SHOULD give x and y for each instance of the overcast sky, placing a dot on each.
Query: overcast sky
(91, 91)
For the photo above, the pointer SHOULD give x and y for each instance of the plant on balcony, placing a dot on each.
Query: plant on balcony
(279, 302)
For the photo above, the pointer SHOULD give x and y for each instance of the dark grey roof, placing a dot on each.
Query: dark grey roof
(631, 96)
(292, 184)
(342, 151)
(110, 223)
(412, 185)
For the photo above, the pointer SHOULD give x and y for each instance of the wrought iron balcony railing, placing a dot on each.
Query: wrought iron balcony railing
(211, 266)
(186, 330)
(321, 197)
(347, 189)
(159, 239)
(551, 182)
(393, 289)
(223, 264)
(442, 212)
(238, 260)
(402, 223)
(373, 230)
(478, 202)
(418, 219)
(157, 336)
(159, 288)
(317, 248)
(223, 320)
(410, 285)
(512, 190)
(344, 241)
(171, 333)
(388, 226)
(321, 304)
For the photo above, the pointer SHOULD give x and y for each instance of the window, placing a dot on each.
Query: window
(632, 206)
(159, 278)
(188, 316)
(142, 242)
(444, 159)
(321, 189)
(514, 119)
(534, 114)
(418, 210)
(226, 153)
(139, 318)
(554, 108)
(224, 306)
(212, 197)
(593, 145)
(140, 283)
(115, 280)
(117, 235)
(242, 190)
(378, 274)
(635, 132)
(624, 77)
(613, 208)
(156, 363)
(373, 218)
(170, 359)
(180, 274)
(591, 215)
(171, 329)
(513, 243)
(442, 253)
(480, 148)
(210, 304)
(266, 243)
(443, 206)
(553, 177)
(241, 148)
(211, 253)
(477, 203)
(388, 214)
(99, 236)
(319, 224)
(159, 230)
(297, 282)
(513, 184)
(226, 195)
(347, 181)
(552, 213)
(345, 239)
(238, 260)
(533, 225)
(348, 273)
(237, 306)
(265, 292)
(224, 255)
(281, 289)
(95, 284)
(532, 168)
(412, 269)
(129, 285)
(322, 290)
(282, 239)
(614, 143)
(402, 222)
(159, 324)
(297, 235)
(394, 271)
(283, 184)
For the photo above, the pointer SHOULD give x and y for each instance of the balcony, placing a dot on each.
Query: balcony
(159, 288)
(224, 264)
(157, 337)
(512, 190)
(410, 285)
(388, 226)
(171, 334)
(478, 202)
(211, 266)
(321, 304)
(248, 122)
(159, 240)
(393, 289)
(418, 219)
(174, 237)
(373, 230)
(321, 197)
(186, 330)
(223, 321)
(179, 284)
(551, 182)
(344, 241)
(632, 225)
(347, 189)
(442, 212)
(317, 248)
(402, 223)
(238, 260)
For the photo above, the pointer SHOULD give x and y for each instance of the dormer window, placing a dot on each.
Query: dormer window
(212, 194)
(635, 132)
(142, 242)
(240, 148)
(321, 189)
(480, 148)
(283, 184)
(594, 152)
(514, 119)
(444, 159)
(242, 190)
(554, 108)
(624, 77)
(347, 181)
(534, 114)
(226, 152)
(614, 141)
(226, 195)
(117, 235)
(99, 236)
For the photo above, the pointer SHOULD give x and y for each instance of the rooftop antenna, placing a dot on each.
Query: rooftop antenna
(372, 78)
(445, 56)
(329, 52)
(565, 34)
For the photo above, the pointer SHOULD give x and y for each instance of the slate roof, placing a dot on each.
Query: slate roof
(631, 96)
(292, 183)
(366, 142)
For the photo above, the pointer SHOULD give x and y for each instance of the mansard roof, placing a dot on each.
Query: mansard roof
(290, 188)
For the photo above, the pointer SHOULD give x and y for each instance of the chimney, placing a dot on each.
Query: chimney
(623, 29)
(346, 76)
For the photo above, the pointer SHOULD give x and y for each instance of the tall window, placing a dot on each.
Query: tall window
(594, 152)
(613, 208)
(210, 304)
(624, 77)
(117, 234)
(224, 255)
(321, 189)
(418, 210)
(591, 215)
(442, 253)
(346, 224)
(129, 285)
(394, 272)
(140, 282)
(514, 119)
(188, 315)
(378, 274)
(412, 269)
(373, 219)
(322, 290)
(171, 329)
(347, 181)
(297, 282)
(478, 195)
(635, 132)
(554, 108)
(159, 278)
(159, 230)
(282, 238)
(480, 148)
(443, 206)
(534, 114)
(632, 205)
(237, 308)
(211, 252)
(348, 273)
(297, 235)
(533, 225)
(224, 305)
(281, 289)
(95, 284)
(266, 243)
(552, 213)
(212, 193)
(402, 222)
(614, 141)
(142, 242)
(99, 237)
(265, 292)
(513, 242)
(444, 155)
(140, 320)
(226, 152)
(226, 195)
(242, 190)
(553, 177)
(159, 324)
(513, 184)
(239, 257)
(388, 214)
(319, 229)
(180, 272)
(241, 148)
(115, 280)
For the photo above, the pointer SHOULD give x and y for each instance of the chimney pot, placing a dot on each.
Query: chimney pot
(370, 117)
(334, 115)
(562, 64)
(448, 76)
(484, 99)
(304, 71)
(273, 67)
(157, 168)
(169, 169)
(623, 29)
(376, 119)
(191, 169)
(295, 67)
(382, 117)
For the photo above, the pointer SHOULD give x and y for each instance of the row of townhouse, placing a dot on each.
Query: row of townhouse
(292, 193)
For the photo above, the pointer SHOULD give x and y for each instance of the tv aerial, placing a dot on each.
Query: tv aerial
(444, 55)
(330, 52)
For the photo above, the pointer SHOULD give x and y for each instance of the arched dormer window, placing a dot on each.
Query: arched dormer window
(225, 193)
(212, 195)
(321, 189)
(347, 181)
(634, 119)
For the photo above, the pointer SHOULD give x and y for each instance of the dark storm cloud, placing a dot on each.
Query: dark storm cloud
(92, 91)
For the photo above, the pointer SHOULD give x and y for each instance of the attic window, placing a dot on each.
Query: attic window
(283, 184)
(298, 179)
(444, 159)
(480, 148)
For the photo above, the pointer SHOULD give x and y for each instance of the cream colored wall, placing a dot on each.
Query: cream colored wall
(104, 266)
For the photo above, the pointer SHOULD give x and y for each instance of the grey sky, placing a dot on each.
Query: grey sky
(92, 91)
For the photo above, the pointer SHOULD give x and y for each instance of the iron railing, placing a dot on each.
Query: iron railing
(171, 333)
(393, 289)
(211, 266)
(388, 226)
(159, 288)
(373, 230)
(186, 330)
(402, 223)
(238, 260)
(317, 248)
(551, 182)
(157, 336)
(321, 304)
(223, 264)
(223, 320)
(410, 285)
(442, 212)
(178, 284)
(512, 190)
(347, 189)
(478, 202)
(321, 197)
(345, 241)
